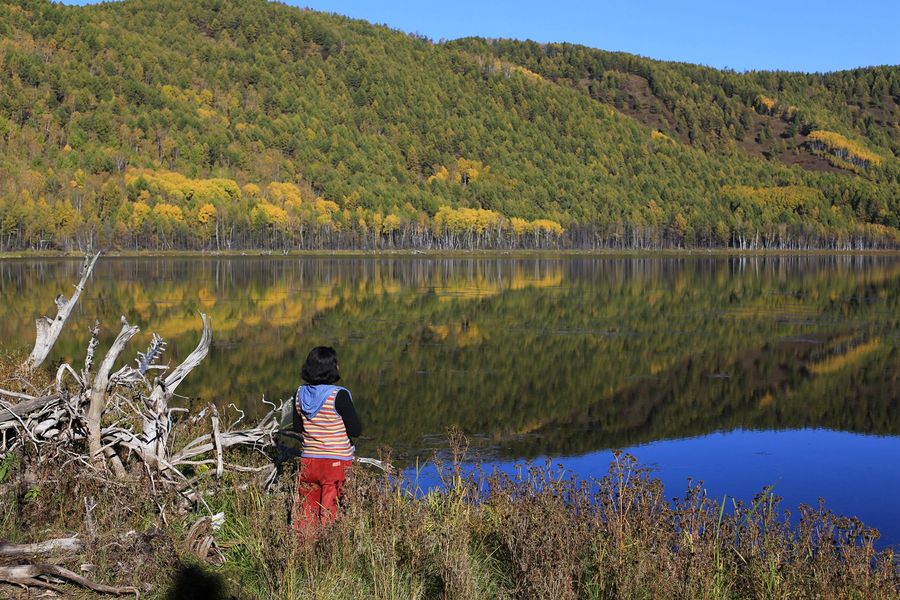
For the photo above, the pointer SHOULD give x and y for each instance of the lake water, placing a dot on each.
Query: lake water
(741, 372)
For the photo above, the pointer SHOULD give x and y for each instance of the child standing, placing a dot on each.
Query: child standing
(326, 419)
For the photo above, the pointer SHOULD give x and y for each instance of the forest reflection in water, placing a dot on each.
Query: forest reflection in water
(528, 356)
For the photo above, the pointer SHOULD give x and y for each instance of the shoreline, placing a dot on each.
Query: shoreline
(445, 253)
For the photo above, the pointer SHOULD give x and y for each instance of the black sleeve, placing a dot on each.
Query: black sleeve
(298, 422)
(344, 407)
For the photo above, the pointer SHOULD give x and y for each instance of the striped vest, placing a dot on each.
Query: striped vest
(324, 436)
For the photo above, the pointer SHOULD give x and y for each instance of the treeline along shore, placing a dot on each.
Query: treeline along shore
(167, 211)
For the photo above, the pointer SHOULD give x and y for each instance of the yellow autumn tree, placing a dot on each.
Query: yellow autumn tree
(841, 151)
(520, 226)
(325, 211)
(681, 227)
(139, 213)
(547, 226)
(206, 213)
(251, 190)
(765, 105)
(206, 217)
(266, 214)
(467, 171)
(441, 174)
(284, 193)
(167, 219)
(169, 212)
(390, 224)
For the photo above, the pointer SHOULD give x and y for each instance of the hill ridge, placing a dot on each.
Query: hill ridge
(335, 132)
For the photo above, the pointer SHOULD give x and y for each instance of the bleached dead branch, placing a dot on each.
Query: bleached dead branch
(48, 329)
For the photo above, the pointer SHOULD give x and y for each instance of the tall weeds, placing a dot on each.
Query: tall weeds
(538, 533)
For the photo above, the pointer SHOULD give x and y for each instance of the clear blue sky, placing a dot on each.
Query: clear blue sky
(796, 35)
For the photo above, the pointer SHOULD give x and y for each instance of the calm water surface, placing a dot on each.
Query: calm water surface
(741, 372)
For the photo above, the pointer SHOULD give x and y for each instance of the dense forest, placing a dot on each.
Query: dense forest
(226, 125)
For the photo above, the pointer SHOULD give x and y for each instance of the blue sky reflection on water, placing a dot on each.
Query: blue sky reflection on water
(858, 475)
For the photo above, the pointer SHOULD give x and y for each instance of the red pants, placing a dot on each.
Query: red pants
(319, 485)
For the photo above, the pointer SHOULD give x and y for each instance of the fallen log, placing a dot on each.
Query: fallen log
(55, 546)
(27, 576)
(11, 412)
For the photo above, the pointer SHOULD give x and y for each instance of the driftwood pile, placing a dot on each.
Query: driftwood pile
(115, 423)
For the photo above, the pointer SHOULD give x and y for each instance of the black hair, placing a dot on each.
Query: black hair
(321, 366)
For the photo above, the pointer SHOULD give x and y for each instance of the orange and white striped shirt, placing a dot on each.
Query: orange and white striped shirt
(324, 436)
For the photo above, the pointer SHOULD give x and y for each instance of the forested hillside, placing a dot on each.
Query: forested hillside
(213, 124)
(767, 113)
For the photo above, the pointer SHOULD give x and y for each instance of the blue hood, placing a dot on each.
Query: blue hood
(312, 397)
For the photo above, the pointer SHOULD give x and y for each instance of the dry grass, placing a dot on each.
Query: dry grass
(535, 535)
(12, 377)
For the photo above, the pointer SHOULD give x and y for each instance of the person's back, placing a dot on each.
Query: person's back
(325, 434)
(325, 417)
